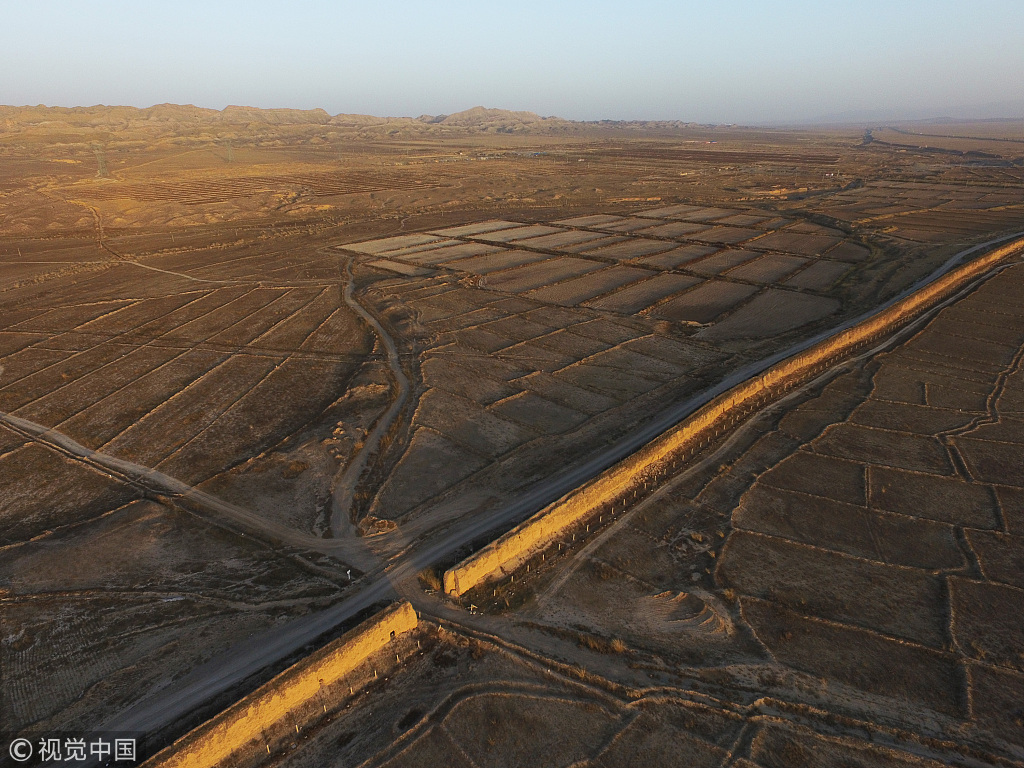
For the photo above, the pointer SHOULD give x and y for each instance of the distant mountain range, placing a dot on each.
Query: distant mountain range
(169, 119)
(475, 119)
(188, 125)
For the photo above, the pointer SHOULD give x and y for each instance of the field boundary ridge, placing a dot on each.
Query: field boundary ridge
(626, 479)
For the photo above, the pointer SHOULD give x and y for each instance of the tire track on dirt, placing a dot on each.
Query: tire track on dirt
(154, 483)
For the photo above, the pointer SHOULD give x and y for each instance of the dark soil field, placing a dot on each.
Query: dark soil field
(249, 359)
(852, 555)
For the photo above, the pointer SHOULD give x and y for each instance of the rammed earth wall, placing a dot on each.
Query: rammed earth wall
(654, 460)
(238, 727)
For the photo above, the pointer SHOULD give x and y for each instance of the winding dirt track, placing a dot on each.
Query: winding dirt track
(345, 485)
(422, 543)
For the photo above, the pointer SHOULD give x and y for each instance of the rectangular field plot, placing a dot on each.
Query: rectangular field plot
(289, 334)
(343, 333)
(609, 331)
(452, 310)
(518, 233)
(278, 404)
(558, 239)
(705, 214)
(77, 395)
(721, 261)
(555, 317)
(134, 315)
(689, 354)
(572, 344)
(819, 276)
(534, 357)
(539, 413)
(587, 245)
(670, 211)
(516, 328)
(615, 383)
(583, 400)
(705, 302)
(726, 235)
(100, 422)
(679, 256)
(450, 252)
(11, 343)
(626, 225)
(673, 229)
(179, 419)
(633, 248)
(66, 318)
(402, 253)
(33, 372)
(597, 220)
(571, 292)
(189, 312)
(502, 258)
(810, 228)
(399, 268)
(630, 361)
(772, 312)
(391, 243)
(466, 379)
(744, 220)
(452, 323)
(794, 242)
(43, 490)
(849, 252)
(225, 316)
(469, 230)
(542, 273)
(921, 235)
(268, 317)
(767, 269)
(635, 298)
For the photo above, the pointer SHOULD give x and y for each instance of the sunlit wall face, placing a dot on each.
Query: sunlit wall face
(741, 61)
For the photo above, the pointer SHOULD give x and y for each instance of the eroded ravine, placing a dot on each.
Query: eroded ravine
(347, 480)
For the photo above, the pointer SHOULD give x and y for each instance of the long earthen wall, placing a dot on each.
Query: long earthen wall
(237, 727)
(511, 550)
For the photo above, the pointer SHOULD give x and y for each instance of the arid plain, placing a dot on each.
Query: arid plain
(264, 372)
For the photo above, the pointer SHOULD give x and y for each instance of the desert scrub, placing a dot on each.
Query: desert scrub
(429, 579)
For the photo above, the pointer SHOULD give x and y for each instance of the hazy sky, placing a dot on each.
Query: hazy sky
(713, 61)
